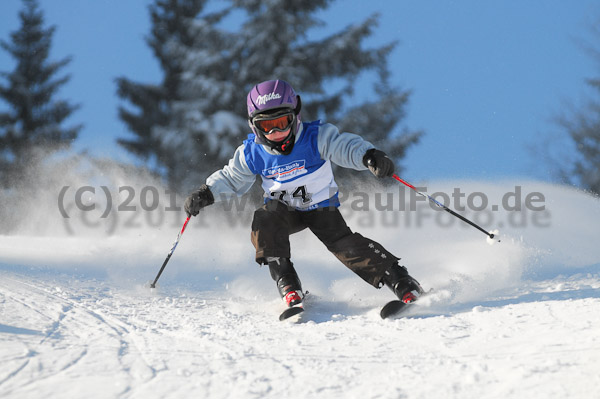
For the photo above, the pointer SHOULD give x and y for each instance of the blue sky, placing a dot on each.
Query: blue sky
(487, 77)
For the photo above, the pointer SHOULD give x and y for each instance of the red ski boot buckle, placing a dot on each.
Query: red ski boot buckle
(293, 298)
(409, 297)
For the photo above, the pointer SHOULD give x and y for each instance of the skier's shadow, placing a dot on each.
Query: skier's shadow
(584, 293)
(437, 310)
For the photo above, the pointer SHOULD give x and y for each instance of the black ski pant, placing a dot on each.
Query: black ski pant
(274, 222)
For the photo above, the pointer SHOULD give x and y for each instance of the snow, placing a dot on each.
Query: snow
(515, 320)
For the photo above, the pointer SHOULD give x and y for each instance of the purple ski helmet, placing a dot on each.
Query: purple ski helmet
(271, 100)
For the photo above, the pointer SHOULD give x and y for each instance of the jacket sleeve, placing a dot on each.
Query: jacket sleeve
(343, 149)
(235, 177)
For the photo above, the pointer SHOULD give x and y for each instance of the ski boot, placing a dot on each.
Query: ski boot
(406, 288)
(288, 284)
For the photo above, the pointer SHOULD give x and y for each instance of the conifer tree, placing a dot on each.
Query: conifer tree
(157, 114)
(275, 44)
(203, 114)
(34, 117)
(203, 130)
(583, 129)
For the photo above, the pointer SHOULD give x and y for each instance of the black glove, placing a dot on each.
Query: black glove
(198, 200)
(378, 163)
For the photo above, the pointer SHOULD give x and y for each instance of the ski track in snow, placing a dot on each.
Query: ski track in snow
(78, 322)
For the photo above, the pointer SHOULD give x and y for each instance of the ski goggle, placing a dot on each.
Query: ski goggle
(278, 123)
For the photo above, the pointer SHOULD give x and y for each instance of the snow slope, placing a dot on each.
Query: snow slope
(518, 319)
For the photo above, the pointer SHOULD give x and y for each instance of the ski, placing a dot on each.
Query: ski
(297, 305)
(393, 308)
(289, 312)
(397, 308)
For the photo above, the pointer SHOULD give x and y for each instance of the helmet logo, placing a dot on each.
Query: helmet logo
(262, 100)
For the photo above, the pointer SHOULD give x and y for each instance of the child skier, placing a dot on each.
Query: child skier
(294, 160)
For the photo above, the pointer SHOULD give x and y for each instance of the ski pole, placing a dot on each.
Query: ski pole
(153, 285)
(491, 235)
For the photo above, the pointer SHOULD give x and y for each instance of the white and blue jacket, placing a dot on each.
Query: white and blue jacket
(302, 179)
